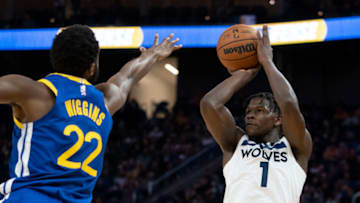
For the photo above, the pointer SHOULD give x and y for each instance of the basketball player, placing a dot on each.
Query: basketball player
(62, 122)
(268, 160)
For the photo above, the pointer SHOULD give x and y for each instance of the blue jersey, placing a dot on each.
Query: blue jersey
(59, 157)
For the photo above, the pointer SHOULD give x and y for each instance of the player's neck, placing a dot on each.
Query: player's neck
(272, 137)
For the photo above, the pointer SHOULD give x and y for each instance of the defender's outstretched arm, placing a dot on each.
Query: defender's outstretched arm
(117, 88)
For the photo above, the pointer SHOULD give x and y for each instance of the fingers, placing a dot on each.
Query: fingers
(258, 35)
(171, 36)
(156, 40)
(166, 40)
(177, 47)
(174, 41)
(266, 39)
(142, 49)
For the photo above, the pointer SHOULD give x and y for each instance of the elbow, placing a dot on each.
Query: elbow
(207, 103)
(204, 104)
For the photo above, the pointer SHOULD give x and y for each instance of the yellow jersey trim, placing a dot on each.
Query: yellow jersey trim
(49, 85)
(73, 78)
(18, 123)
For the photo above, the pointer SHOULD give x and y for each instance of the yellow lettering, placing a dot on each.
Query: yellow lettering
(69, 108)
(100, 119)
(73, 106)
(85, 110)
(78, 107)
(85, 166)
(63, 158)
(90, 110)
(95, 113)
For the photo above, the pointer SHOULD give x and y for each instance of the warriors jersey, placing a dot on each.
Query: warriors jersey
(264, 172)
(59, 157)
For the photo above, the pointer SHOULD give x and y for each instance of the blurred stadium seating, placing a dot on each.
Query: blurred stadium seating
(149, 159)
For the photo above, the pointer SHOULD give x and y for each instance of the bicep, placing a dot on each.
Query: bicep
(295, 131)
(221, 124)
(16, 89)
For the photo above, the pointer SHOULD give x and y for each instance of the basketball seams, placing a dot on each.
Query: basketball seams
(238, 59)
(236, 47)
(233, 42)
(250, 32)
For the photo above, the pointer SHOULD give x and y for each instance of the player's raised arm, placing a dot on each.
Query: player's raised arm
(293, 123)
(116, 89)
(217, 117)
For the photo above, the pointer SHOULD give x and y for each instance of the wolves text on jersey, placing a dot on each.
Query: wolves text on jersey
(264, 151)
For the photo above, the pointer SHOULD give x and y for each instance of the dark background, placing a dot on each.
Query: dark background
(325, 77)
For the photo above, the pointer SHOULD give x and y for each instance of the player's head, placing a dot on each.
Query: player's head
(75, 51)
(262, 115)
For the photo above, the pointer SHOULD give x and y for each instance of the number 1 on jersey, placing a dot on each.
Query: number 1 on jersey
(265, 167)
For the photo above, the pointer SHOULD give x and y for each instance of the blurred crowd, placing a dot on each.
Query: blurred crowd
(141, 150)
(173, 12)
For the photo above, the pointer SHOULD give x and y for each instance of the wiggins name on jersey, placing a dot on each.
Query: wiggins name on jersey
(59, 157)
(263, 172)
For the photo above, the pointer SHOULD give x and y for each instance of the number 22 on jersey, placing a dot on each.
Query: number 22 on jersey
(63, 158)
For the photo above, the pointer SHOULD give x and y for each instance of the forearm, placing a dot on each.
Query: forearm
(281, 88)
(223, 92)
(134, 70)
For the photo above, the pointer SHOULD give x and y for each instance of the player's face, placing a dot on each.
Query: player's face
(259, 119)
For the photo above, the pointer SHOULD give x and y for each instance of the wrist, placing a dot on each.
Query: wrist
(243, 77)
(150, 55)
(267, 63)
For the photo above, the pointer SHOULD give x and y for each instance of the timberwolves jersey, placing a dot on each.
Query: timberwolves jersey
(59, 157)
(259, 173)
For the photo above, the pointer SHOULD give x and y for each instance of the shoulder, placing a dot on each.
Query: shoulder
(301, 156)
(306, 150)
(30, 99)
(240, 137)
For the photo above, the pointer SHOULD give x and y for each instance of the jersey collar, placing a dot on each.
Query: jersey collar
(73, 78)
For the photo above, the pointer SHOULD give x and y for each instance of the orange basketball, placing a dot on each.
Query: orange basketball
(236, 48)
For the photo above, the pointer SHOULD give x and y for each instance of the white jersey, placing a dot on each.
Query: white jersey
(263, 173)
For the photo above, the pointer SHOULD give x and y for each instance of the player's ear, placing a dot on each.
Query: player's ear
(91, 71)
(278, 121)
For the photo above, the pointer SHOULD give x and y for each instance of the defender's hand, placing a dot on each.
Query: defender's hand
(264, 50)
(164, 49)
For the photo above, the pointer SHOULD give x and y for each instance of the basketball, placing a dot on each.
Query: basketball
(236, 47)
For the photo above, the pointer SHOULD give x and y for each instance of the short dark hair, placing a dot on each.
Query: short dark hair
(264, 95)
(74, 50)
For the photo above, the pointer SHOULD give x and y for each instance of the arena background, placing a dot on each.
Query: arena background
(161, 152)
